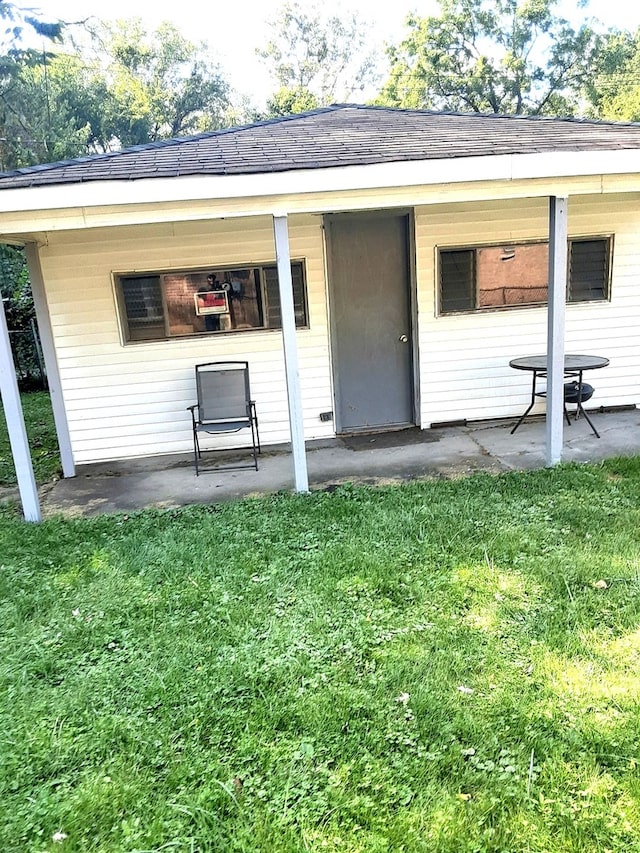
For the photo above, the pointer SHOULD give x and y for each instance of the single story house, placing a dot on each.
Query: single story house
(382, 266)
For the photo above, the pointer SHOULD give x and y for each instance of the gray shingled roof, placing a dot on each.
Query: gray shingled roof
(346, 135)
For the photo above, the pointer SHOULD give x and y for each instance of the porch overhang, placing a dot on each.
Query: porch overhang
(33, 211)
(555, 326)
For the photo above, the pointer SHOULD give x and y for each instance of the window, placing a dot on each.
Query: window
(513, 275)
(157, 306)
(589, 270)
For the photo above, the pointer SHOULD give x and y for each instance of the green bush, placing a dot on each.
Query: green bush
(15, 287)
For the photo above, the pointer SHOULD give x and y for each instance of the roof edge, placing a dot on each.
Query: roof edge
(181, 140)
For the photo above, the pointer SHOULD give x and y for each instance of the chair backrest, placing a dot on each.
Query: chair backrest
(223, 390)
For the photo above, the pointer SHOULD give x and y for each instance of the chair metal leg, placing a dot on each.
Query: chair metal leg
(196, 450)
(254, 420)
(253, 443)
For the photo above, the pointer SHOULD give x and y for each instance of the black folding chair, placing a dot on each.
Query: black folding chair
(224, 406)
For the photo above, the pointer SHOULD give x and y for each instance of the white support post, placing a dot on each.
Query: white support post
(294, 395)
(51, 362)
(15, 426)
(556, 302)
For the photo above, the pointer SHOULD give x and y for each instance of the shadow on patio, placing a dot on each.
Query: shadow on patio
(455, 451)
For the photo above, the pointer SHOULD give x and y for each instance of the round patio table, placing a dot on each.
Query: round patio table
(574, 366)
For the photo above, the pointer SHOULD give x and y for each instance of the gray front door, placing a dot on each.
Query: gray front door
(371, 321)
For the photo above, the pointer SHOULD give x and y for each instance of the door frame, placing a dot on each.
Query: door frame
(411, 277)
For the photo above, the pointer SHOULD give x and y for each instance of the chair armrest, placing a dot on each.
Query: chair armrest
(192, 409)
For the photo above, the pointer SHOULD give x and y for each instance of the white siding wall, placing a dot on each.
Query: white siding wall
(464, 358)
(127, 401)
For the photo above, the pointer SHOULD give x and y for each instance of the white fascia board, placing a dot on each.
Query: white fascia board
(571, 164)
(511, 167)
(275, 184)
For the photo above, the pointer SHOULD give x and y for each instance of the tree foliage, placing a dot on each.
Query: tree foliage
(160, 85)
(503, 56)
(316, 59)
(613, 87)
(15, 288)
(15, 20)
(128, 88)
(289, 101)
(52, 108)
(16, 25)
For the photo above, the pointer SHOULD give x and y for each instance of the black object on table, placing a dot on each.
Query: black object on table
(574, 366)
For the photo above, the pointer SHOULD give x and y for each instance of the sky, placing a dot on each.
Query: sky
(235, 28)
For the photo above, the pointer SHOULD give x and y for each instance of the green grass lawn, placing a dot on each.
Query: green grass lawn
(43, 442)
(444, 666)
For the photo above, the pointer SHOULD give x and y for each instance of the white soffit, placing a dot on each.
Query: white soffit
(507, 167)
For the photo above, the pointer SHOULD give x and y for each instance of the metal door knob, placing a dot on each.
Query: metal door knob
(403, 339)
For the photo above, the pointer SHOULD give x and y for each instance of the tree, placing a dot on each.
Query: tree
(316, 59)
(53, 109)
(161, 85)
(127, 88)
(16, 19)
(15, 289)
(16, 24)
(503, 56)
(613, 89)
(288, 101)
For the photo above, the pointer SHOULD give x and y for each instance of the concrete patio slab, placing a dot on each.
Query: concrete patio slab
(170, 481)
(619, 436)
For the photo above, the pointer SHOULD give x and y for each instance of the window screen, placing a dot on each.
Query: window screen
(142, 298)
(457, 281)
(274, 317)
(588, 270)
